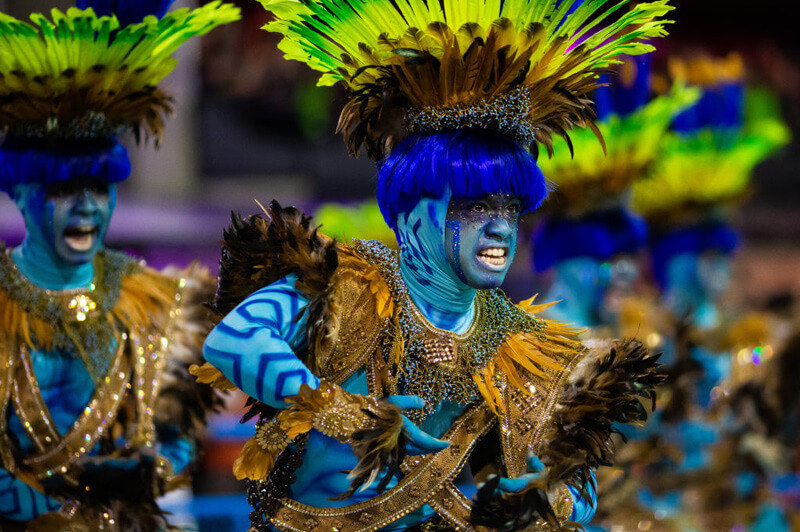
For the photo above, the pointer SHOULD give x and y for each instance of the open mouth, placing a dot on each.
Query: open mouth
(80, 238)
(493, 257)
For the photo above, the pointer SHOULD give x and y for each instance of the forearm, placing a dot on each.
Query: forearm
(254, 344)
(21, 502)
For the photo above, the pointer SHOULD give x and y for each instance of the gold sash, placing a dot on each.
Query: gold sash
(428, 480)
(56, 453)
(134, 376)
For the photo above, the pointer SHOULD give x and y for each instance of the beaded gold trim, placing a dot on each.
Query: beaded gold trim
(134, 375)
(426, 479)
(57, 453)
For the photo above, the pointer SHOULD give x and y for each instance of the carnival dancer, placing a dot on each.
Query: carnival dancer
(590, 239)
(688, 200)
(97, 409)
(411, 370)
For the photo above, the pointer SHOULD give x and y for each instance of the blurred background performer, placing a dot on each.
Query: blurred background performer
(450, 407)
(590, 238)
(688, 466)
(98, 412)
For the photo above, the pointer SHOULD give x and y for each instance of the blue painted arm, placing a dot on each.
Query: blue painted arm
(254, 345)
(20, 502)
(583, 510)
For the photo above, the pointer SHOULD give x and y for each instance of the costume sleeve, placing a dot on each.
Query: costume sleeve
(583, 510)
(254, 345)
(21, 502)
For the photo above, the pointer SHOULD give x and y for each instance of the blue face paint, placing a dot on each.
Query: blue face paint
(694, 284)
(77, 214)
(481, 238)
(580, 284)
(433, 284)
(66, 224)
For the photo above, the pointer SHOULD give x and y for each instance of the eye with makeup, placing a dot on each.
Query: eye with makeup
(71, 188)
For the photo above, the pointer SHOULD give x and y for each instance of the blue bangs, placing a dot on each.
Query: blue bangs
(698, 239)
(469, 163)
(24, 162)
(600, 235)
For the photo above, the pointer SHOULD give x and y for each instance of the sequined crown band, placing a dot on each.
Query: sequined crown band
(525, 68)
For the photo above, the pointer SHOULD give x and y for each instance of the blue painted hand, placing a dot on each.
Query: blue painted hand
(419, 441)
(515, 485)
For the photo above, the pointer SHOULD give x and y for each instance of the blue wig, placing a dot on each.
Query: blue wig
(127, 11)
(697, 239)
(26, 161)
(720, 108)
(598, 235)
(469, 163)
(620, 99)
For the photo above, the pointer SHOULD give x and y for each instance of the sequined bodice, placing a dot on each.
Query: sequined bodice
(437, 364)
(66, 388)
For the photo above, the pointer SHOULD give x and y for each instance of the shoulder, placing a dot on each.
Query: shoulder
(347, 318)
(262, 249)
(535, 353)
(145, 296)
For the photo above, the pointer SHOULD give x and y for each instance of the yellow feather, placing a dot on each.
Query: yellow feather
(208, 374)
(254, 462)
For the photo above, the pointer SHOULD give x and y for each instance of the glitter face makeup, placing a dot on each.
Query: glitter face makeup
(481, 238)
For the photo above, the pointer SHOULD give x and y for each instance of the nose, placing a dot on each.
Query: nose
(86, 203)
(498, 228)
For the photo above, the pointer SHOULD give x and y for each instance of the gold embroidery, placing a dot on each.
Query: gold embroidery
(148, 308)
(543, 361)
(56, 455)
(425, 478)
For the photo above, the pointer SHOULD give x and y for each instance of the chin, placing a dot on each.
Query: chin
(76, 257)
(486, 282)
(485, 275)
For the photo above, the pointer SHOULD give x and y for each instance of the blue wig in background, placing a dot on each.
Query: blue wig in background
(598, 235)
(127, 11)
(26, 161)
(468, 163)
(709, 236)
(620, 96)
(719, 108)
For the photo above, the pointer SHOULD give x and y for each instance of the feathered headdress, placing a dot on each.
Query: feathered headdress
(84, 75)
(588, 209)
(524, 68)
(597, 178)
(700, 173)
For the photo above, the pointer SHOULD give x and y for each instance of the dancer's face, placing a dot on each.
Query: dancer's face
(481, 238)
(69, 219)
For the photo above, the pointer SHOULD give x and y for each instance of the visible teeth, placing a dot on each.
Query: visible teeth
(80, 238)
(493, 252)
(493, 261)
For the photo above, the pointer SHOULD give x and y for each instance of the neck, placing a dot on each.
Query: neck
(47, 271)
(443, 302)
